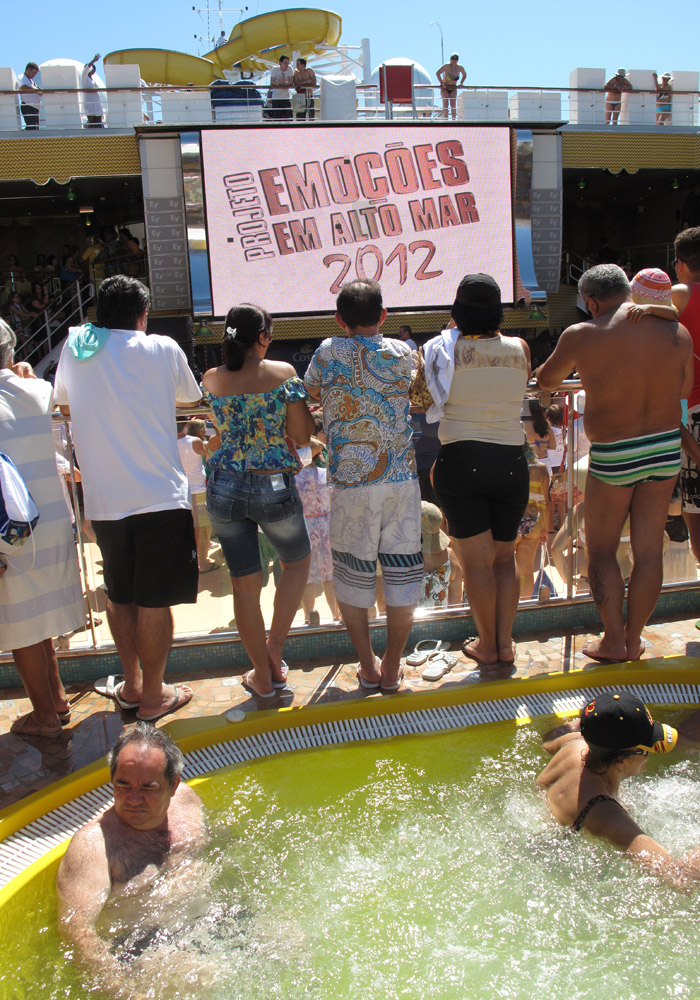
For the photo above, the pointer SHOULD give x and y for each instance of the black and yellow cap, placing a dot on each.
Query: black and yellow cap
(622, 722)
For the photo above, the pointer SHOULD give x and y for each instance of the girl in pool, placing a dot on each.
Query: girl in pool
(257, 404)
(592, 756)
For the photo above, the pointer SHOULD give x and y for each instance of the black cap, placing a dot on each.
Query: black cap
(479, 291)
(621, 721)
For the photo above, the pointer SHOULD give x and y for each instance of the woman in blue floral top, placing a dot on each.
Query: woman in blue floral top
(257, 404)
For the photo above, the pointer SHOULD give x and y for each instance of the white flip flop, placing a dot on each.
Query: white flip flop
(439, 664)
(423, 651)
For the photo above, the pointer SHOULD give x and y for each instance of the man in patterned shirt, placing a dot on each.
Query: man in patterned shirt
(362, 380)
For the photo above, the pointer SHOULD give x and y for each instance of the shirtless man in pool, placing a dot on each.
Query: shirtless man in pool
(611, 741)
(155, 825)
(635, 375)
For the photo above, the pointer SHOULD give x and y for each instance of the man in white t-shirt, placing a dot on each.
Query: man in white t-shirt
(30, 101)
(281, 79)
(120, 389)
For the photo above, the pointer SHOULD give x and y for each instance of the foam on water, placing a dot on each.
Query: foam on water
(421, 867)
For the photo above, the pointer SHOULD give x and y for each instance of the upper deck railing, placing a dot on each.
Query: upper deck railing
(125, 108)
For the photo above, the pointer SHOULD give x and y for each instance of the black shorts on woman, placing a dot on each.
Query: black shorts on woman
(482, 486)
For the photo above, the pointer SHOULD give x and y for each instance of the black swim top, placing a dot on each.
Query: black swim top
(580, 819)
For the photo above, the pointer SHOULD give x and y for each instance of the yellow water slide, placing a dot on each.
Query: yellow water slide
(256, 44)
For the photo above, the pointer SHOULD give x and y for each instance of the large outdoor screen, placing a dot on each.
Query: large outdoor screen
(294, 212)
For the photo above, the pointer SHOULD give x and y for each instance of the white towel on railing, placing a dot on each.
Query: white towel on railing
(439, 369)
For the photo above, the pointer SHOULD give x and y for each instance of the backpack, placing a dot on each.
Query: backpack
(18, 513)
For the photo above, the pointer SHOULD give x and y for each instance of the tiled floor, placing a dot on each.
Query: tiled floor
(30, 764)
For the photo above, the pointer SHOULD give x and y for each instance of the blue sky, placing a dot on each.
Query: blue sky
(507, 43)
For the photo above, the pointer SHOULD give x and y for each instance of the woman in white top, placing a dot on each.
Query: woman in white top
(481, 476)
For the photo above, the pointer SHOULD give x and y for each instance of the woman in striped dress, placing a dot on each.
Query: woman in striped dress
(40, 593)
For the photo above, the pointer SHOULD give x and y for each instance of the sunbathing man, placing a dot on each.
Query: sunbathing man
(611, 741)
(154, 827)
(635, 375)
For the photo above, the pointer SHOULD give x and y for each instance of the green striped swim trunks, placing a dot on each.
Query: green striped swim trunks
(637, 460)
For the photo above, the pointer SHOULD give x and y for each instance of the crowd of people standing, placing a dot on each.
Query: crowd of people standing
(377, 539)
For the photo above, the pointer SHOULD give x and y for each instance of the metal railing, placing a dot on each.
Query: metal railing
(215, 618)
(43, 343)
(247, 102)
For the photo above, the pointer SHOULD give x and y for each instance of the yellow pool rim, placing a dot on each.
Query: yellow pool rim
(665, 674)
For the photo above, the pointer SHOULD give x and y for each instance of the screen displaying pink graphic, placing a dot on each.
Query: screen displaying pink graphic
(293, 213)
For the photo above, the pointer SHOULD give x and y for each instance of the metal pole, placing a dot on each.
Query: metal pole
(436, 24)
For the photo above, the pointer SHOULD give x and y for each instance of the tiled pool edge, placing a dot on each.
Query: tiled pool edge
(45, 835)
(210, 653)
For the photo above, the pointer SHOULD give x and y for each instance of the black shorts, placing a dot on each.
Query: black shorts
(482, 487)
(149, 559)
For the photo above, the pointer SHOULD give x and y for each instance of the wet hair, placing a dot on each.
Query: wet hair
(603, 282)
(687, 247)
(148, 736)
(8, 342)
(246, 322)
(599, 762)
(540, 423)
(555, 414)
(360, 303)
(121, 302)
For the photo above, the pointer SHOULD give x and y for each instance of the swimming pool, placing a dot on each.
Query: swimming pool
(406, 866)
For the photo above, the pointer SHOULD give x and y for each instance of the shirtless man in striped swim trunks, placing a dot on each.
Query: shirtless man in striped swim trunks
(635, 375)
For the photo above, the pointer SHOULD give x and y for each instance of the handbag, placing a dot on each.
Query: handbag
(544, 588)
(18, 512)
(419, 394)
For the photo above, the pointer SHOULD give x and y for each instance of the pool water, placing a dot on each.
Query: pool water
(414, 867)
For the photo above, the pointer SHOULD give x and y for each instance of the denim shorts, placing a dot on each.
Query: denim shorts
(240, 502)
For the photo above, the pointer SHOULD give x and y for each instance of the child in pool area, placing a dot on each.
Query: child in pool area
(315, 494)
(651, 290)
(442, 576)
(651, 293)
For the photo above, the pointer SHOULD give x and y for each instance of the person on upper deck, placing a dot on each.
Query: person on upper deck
(450, 76)
(614, 89)
(635, 451)
(304, 84)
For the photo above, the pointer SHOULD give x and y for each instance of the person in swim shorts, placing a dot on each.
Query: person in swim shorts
(591, 756)
(156, 825)
(635, 375)
(664, 96)
(613, 96)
